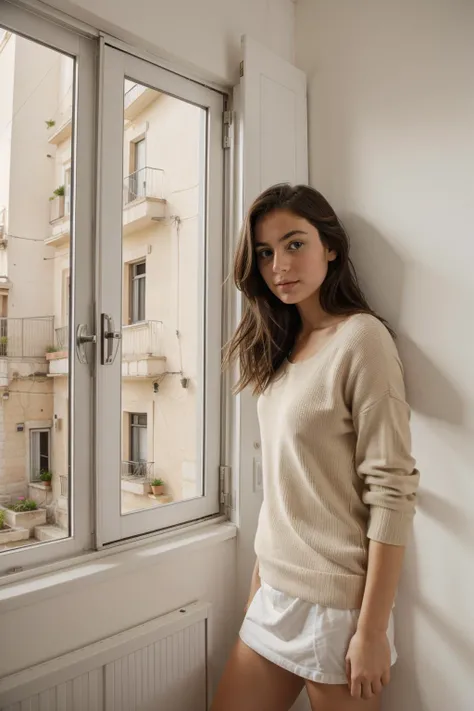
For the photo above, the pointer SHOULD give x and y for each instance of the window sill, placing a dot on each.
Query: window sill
(33, 586)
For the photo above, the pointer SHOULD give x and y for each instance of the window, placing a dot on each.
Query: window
(168, 363)
(41, 381)
(138, 177)
(150, 374)
(138, 291)
(138, 444)
(39, 453)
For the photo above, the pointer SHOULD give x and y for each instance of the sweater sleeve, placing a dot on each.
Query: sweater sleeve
(384, 461)
(381, 420)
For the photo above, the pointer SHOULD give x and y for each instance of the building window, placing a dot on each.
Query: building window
(138, 177)
(138, 444)
(137, 291)
(39, 453)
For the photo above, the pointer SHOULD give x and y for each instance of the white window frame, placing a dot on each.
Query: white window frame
(30, 25)
(111, 526)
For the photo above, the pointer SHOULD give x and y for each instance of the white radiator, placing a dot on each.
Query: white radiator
(158, 666)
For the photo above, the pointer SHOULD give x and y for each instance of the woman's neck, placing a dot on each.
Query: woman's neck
(313, 317)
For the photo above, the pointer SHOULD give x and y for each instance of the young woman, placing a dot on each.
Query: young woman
(339, 478)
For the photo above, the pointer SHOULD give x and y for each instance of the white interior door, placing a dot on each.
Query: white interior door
(160, 225)
(272, 149)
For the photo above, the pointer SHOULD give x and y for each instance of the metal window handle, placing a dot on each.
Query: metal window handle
(110, 339)
(82, 338)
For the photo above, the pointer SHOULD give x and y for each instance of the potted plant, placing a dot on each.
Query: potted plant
(8, 534)
(158, 487)
(45, 477)
(24, 513)
(59, 192)
(23, 505)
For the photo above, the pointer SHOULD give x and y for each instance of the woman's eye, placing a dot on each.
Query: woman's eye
(294, 246)
(264, 254)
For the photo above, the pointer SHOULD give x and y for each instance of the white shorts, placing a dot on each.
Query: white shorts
(309, 640)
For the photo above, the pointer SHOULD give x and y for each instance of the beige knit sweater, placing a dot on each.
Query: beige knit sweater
(337, 466)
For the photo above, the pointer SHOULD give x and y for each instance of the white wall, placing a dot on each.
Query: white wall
(59, 624)
(392, 147)
(204, 34)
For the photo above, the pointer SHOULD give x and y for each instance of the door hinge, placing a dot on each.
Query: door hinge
(242, 68)
(226, 124)
(225, 478)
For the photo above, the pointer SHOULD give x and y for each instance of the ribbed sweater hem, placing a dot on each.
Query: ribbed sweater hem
(342, 592)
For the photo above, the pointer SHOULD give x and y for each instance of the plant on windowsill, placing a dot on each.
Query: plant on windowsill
(157, 487)
(59, 192)
(45, 477)
(8, 533)
(24, 514)
(22, 505)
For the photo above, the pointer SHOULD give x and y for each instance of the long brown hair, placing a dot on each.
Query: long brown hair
(268, 329)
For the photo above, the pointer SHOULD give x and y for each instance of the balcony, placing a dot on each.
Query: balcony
(136, 477)
(23, 344)
(143, 200)
(5, 283)
(137, 99)
(60, 221)
(62, 338)
(142, 350)
(26, 337)
(63, 131)
(137, 470)
(59, 358)
(3, 373)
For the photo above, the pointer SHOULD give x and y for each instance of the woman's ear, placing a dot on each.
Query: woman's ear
(332, 255)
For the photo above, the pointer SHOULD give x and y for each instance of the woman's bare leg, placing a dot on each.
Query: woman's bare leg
(252, 683)
(336, 697)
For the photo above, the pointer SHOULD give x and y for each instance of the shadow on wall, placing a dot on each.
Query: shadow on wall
(412, 609)
(382, 272)
(386, 277)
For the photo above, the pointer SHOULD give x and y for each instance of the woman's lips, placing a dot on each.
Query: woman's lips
(287, 285)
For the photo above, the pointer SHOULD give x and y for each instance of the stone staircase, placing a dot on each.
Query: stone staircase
(48, 532)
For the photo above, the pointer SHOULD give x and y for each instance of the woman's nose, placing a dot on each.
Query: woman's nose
(280, 262)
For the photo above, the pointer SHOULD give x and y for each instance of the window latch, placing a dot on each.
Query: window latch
(110, 339)
(82, 339)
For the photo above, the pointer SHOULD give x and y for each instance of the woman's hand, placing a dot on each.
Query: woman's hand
(368, 663)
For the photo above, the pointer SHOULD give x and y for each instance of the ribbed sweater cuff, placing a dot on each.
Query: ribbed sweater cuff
(388, 526)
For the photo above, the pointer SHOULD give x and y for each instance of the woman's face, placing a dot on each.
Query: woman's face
(290, 256)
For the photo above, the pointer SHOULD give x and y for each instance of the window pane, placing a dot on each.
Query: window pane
(164, 185)
(36, 109)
